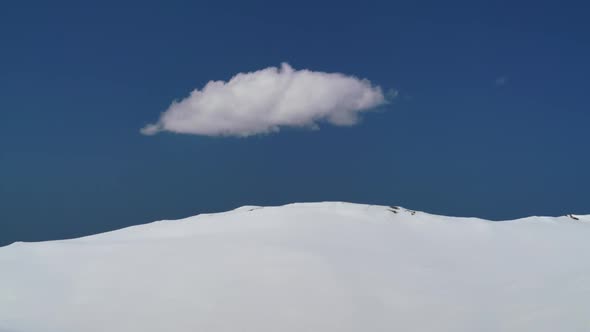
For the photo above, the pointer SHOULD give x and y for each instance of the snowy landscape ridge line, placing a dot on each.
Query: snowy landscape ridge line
(329, 266)
(358, 206)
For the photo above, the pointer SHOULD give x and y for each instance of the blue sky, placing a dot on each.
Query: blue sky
(491, 117)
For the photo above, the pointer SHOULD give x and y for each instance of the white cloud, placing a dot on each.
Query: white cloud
(265, 100)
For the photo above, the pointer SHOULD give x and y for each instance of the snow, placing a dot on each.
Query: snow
(305, 267)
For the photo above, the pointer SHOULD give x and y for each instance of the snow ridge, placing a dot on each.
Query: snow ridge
(328, 266)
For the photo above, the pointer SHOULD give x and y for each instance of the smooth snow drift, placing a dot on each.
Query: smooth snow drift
(305, 267)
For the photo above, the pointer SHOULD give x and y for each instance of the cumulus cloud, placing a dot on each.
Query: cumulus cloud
(266, 100)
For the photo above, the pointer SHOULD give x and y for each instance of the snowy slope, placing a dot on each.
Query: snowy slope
(305, 267)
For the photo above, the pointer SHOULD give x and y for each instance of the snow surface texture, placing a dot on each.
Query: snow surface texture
(306, 267)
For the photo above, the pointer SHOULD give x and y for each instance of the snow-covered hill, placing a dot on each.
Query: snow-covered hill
(305, 267)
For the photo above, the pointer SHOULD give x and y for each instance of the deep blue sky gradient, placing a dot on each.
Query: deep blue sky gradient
(78, 81)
